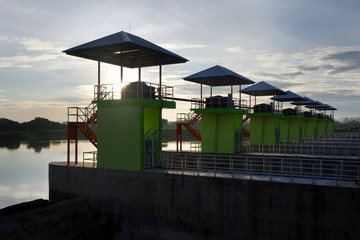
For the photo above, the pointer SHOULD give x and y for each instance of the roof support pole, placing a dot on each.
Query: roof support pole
(139, 81)
(201, 105)
(255, 101)
(121, 71)
(121, 75)
(239, 96)
(211, 99)
(160, 76)
(249, 103)
(98, 87)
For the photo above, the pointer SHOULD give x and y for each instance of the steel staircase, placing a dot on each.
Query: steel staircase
(84, 119)
(187, 120)
(244, 130)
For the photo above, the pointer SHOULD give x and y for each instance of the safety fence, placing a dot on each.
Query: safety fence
(90, 158)
(309, 150)
(271, 166)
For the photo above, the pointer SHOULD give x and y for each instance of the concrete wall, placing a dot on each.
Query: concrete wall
(145, 205)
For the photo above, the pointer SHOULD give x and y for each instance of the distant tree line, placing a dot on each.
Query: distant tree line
(348, 124)
(37, 124)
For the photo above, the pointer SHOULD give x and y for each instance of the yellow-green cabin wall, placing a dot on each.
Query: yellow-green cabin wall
(219, 128)
(122, 125)
(264, 128)
(291, 127)
(120, 142)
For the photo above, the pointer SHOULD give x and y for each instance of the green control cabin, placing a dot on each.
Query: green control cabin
(265, 118)
(221, 116)
(291, 121)
(124, 125)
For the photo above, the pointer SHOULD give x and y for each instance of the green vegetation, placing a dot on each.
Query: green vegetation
(38, 129)
(38, 124)
(347, 124)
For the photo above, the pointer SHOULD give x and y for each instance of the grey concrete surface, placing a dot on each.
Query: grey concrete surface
(155, 205)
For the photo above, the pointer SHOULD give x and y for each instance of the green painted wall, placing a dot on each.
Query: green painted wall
(321, 129)
(284, 128)
(218, 133)
(152, 118)
(310, 127)
(291, 127)
(121, 128)
(303, 127)
(152, 125)
(264, 128)
(330, 126)
(218, 129)
(120, 142)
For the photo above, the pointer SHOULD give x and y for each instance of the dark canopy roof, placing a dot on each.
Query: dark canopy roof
(290, 96)
(125, 49)
(314, 105)
(263, 89)
(308, 101)
(323, 107)
(218, 76)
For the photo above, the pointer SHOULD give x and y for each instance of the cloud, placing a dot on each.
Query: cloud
(30, 50)
(24, 61)
(348, 61)
(236, 49)
(178, 46)
(307, 68)
(278, 76)
(35, 44)
(68, 99)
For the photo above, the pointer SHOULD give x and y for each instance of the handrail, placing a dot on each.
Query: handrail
(90, 156)
(113, 91)
(290, 167)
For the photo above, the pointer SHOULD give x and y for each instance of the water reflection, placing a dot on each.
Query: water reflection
(24, 169)
(12, 141)
(38, 146)
(24, 166)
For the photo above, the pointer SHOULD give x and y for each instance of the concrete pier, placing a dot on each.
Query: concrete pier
(151, 205)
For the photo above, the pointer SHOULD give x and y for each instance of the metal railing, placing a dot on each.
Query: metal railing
(85, 115)
(152, 149)
(303, 149)
(218, 165)
(90, 157)
(107, 92)
(147, 90)
(197, 103)
(331, 146)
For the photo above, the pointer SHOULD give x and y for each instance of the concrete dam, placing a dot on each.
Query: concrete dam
(285, 176)
(157, 205)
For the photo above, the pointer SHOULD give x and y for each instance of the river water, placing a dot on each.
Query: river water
(24, 167)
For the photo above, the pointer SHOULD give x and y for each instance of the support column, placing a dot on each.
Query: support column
(139, 81)
(99, 83)
(201, 97)
(239, 96)
(160, 76)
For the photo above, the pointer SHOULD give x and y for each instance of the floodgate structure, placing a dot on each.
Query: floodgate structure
(285, 176)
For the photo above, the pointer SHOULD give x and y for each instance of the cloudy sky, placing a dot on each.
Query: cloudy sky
(309, 47)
